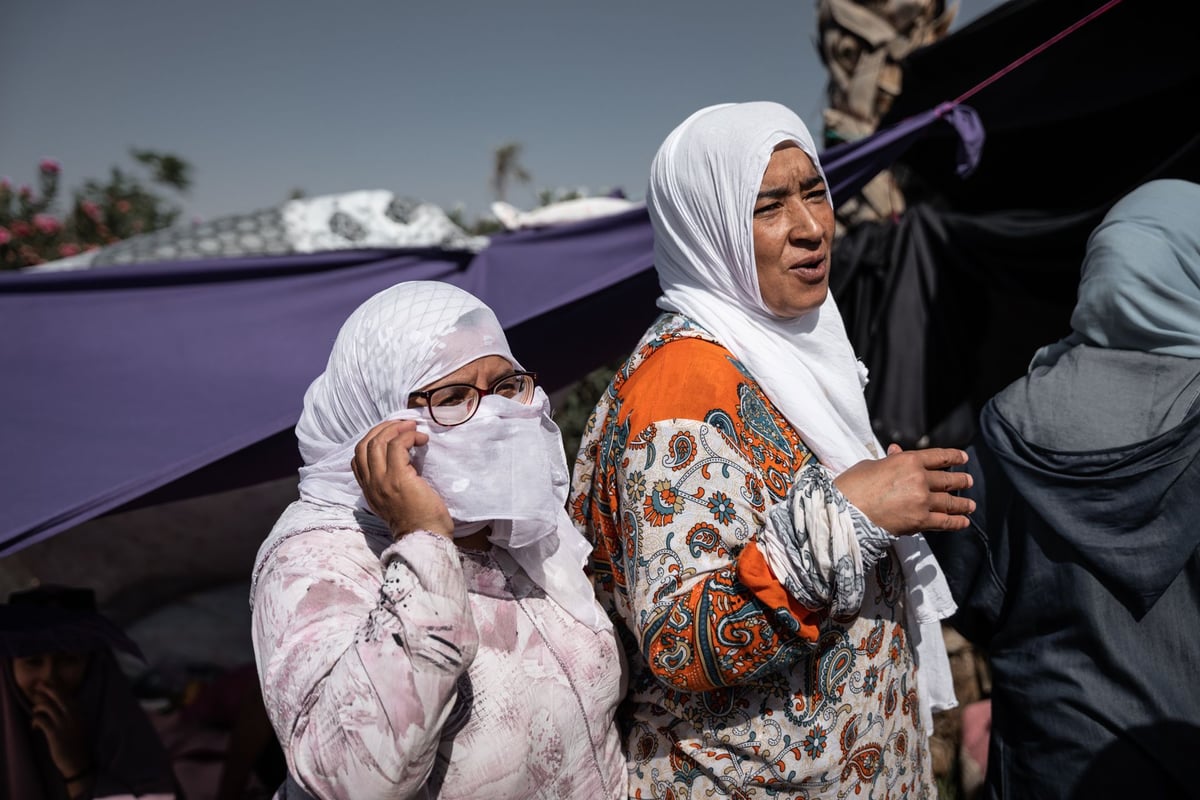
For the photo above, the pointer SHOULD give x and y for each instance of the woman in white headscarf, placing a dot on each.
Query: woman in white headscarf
(750, 533)
(422, 622)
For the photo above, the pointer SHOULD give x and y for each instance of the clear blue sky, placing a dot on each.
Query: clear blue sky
(263, 96)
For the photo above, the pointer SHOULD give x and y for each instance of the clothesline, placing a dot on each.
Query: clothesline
(1035, 51)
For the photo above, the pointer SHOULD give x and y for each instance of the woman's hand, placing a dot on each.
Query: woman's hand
(56, 714)
(910, 491)
(393, 488)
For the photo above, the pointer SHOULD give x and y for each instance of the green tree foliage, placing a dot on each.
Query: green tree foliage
(577, 402)
(33, 230)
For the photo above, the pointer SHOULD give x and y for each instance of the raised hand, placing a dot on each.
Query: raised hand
(57, 715)
(391, 485)
(910, 491)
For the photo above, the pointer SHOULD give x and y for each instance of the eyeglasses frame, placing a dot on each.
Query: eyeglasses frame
(427, 394)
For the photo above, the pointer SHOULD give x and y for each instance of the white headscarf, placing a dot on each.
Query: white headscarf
(510, 455)
(704, 181)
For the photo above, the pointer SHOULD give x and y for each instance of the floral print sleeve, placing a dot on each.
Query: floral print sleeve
(691, 464)
(360, 652)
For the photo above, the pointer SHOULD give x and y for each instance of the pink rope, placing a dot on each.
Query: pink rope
(1049, 42)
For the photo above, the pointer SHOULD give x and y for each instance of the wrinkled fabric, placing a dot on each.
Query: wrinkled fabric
(1081, 579)
(1082, 575)
(737, 689)
(404, 668)
(820, 547)
(703, 184)
(399, 340)
(411, 669)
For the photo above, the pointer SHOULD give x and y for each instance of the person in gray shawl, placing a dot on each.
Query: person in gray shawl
(1082, 578)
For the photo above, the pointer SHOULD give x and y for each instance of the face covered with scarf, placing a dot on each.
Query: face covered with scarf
(503, 469)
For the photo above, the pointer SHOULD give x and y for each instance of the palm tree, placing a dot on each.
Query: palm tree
(166, 169)
(507, 166)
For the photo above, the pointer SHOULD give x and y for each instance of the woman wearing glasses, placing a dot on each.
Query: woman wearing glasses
(421, 619)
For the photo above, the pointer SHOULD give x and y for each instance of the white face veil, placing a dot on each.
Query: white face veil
(504, 467)
(703, 184)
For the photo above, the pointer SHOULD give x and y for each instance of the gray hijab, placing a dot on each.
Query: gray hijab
(1140, 282)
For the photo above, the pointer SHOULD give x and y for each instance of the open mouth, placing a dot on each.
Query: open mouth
(810, 270)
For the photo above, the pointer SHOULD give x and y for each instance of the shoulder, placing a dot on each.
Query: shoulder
(686, 378)
(313, 543)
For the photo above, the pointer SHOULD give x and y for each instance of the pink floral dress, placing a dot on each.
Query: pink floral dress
(415, 669)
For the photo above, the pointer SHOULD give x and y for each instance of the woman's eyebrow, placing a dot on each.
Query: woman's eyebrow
(812, 183)
(780, 192)
(774, 194)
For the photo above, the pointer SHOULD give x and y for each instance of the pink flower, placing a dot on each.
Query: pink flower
(5, 236)
(21, 229)
(46, 223)
(68, 249)
(123, 206)
(49, 166)
(91, 210)
(5, 183)
(25, 191)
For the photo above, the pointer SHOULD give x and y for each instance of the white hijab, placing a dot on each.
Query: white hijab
(409, 336)
(704, 181)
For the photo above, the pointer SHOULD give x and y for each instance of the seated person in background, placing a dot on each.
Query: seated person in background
(1082, 576)
(71, 727)
(422, 621)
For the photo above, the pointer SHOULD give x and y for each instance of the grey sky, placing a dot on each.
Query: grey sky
(263, 96)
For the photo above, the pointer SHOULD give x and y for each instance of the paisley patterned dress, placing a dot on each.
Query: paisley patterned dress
(737, 689)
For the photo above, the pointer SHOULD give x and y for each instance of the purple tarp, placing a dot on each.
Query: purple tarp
(120, 380)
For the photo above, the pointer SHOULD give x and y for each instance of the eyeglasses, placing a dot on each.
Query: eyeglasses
(456, 403)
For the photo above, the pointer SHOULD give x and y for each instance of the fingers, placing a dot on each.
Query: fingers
(941, 502)
(894, 448)
(386, 445)
(946, 522)
(942, 481)
(48, 712)
(392, 486)
(939, 457)
(52, 700)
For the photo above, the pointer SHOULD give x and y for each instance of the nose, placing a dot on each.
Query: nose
(58, 672)
(42, 673)
(806, 228)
